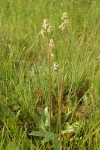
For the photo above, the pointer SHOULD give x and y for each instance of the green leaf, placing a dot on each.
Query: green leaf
(53, 124)
(39, 122)
(56, 144)
(37, 133)
(71, 128)
(66, 117)
(50, 136)
(46, 112)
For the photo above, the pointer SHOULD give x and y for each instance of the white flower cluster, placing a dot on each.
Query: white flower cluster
(46, 27)
(65, 22)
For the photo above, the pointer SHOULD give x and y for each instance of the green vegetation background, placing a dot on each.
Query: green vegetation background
(23, 69)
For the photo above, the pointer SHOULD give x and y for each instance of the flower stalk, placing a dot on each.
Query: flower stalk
(49, 80)
(45, 31)
(63, 27)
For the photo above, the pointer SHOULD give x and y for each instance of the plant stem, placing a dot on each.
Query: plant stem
(49, 78)
(57, 73)
(61, 92)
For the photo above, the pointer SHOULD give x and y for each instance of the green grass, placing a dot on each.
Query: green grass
(24, 72)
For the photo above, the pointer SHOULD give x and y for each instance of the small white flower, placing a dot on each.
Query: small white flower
(49, 28)
(63, 26)
(51, 44)
(42, 32)
(56, 66)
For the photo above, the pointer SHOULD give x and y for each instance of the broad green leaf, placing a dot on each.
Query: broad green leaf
(71, 128)
(66, 117)
(53, 124)
(37, 133)
(50, 136)
(39, 122)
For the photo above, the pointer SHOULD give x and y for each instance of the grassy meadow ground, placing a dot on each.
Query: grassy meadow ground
(24, 74)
